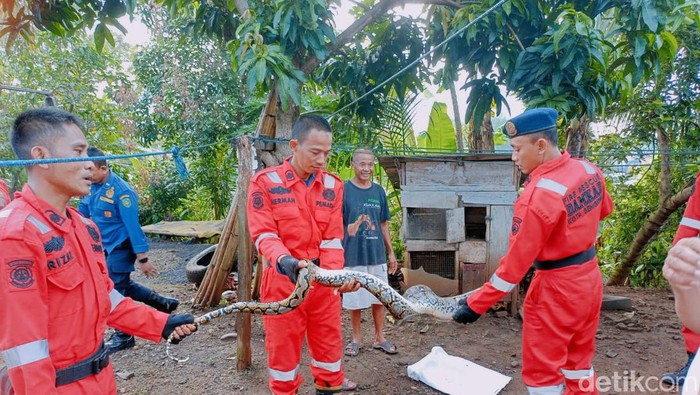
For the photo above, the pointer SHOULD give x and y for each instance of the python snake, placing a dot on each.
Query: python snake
(417, 299)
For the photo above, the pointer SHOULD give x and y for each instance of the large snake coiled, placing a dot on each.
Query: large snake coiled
(418, 299)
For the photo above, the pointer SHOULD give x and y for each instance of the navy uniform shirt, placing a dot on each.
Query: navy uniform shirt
(114, 208)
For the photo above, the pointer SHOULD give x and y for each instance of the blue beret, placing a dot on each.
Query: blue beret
(531, 121)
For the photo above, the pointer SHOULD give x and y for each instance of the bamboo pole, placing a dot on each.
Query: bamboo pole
(245, 254)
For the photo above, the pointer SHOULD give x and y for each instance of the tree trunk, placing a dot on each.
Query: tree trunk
(647, 232)
(577, 137)
(458, 120)
(665, 170)
(486, 134)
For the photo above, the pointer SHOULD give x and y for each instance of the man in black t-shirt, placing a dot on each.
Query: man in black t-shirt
(366, 243)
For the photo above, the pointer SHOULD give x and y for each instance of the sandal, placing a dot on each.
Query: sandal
(352, 349)
(386, 346)
(349, 385)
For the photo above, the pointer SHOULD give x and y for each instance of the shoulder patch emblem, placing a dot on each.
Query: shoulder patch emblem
(21, 274)
(257, 200)
(289, 175)
(126, 201)
(329, 194)
(516, 225)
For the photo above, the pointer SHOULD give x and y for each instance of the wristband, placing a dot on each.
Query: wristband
(143, 260)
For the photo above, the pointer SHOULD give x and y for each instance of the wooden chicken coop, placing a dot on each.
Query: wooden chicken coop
(457, 216)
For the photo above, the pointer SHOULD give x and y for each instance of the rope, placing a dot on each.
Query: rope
(180, 165)
(410, 65)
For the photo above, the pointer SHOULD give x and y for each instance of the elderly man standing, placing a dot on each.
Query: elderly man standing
(555, 226)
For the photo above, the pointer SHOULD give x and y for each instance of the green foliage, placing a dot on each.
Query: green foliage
(63, 18)
(82, 80)
(440, 135)
(161, 192)
(191, 97)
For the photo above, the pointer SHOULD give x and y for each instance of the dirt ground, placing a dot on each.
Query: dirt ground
(643, 343)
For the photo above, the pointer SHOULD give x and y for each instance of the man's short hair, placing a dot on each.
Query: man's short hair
(306, 123)
(40, 126)
(92, 151)
(361, 151)
(550, 135)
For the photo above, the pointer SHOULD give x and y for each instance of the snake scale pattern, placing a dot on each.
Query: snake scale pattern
(418, 299)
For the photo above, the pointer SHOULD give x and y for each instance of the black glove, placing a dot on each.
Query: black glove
(464, 313)
(175, 320)
(289, 266)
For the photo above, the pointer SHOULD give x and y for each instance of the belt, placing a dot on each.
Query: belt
(87, 367)
(576, 259)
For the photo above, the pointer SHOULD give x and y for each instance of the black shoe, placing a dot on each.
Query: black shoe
(677, 378)
(119, 341)
(161, 303)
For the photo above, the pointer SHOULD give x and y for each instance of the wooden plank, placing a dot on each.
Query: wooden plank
(460, 188)
(455, 225)
(473, 251)
(435, 199)
(429, 245)
(487, 198)
(498, 225)
(454, 173)
(245, 255)
(198, 229)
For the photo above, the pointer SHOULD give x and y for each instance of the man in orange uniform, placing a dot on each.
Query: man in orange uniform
(689, 227)
(57, 296)
(555, 223)
(294, 214)
(4, 194)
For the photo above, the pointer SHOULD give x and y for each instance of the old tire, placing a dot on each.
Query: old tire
(196, 267)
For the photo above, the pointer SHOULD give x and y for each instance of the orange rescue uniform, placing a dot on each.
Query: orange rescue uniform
(4, 194)
(690, 227)
(555, 218)
(287, 217)
(58, 299)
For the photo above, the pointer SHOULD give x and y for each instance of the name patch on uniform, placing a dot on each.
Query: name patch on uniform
(257, 200)
(329, 194)
(93, 233)
(55, 244)
(584, 199)
(55, 217)
(321, 203)
(104, 199)
(283, 200)
(59, 261)
(280, 191)
(516, 225)
(21, 274)
(126, 201)
(96, 248)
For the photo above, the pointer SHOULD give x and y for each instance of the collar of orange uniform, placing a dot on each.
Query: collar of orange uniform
(550, 165)
(290, 176)
(49, 213)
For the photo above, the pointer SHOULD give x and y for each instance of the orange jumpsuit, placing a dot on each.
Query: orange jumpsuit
(287, 217)
(4, 194)
(556, 217)
(58, 299)
(690, 227)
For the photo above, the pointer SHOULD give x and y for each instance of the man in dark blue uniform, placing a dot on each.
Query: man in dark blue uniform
(113, 206)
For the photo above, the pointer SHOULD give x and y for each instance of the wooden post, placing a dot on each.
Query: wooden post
(245, 254)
